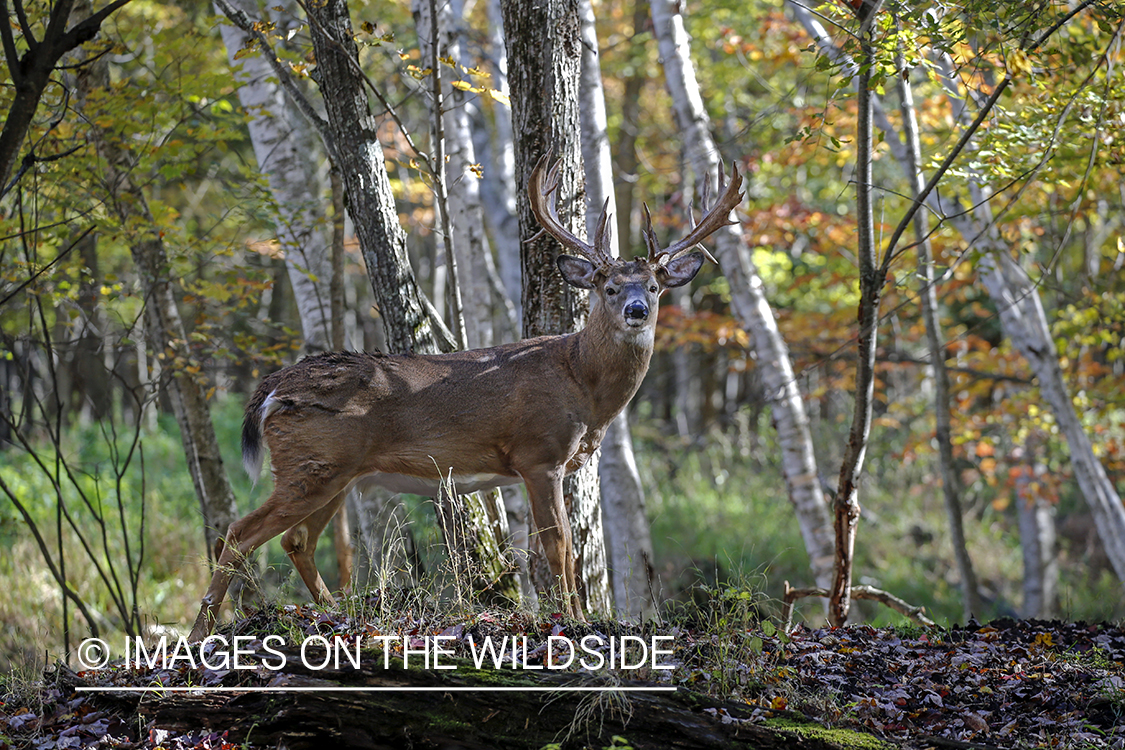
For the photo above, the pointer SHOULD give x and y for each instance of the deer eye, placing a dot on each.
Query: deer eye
(652, 288)
(610, 291)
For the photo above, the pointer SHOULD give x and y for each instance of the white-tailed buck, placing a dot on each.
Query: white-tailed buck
(532, 411)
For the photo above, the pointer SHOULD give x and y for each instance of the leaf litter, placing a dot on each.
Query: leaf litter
(1006, 684)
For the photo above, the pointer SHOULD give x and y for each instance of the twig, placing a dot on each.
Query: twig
(915, 613)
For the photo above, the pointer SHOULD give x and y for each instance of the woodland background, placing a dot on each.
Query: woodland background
(172, 228)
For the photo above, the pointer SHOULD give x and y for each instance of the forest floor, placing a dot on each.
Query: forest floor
(1007, 684)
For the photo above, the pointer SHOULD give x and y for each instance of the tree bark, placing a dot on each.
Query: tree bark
(748, 301)
(466, 217)
(626, 151)
(846, 504)
(1037, 539)
(500, 182)
(544, 53)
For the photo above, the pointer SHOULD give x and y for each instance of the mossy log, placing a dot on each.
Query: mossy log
(469, 713)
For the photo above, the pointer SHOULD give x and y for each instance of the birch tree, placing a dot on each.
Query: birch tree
(748, 300)
(628, 539)
(284, 146)
(950, 480)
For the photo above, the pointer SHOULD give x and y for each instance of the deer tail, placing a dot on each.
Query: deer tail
(257, 409)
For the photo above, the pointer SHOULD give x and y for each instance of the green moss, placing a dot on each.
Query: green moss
(847, 738)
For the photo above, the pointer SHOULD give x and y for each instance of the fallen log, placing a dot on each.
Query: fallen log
(377, 707)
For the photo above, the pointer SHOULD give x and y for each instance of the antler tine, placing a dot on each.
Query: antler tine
(715, 218)
(539, 189)
(649, 236)
(603, 235)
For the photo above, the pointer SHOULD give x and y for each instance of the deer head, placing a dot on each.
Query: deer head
(626, 292)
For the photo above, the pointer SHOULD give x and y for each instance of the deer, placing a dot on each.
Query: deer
(533, 411)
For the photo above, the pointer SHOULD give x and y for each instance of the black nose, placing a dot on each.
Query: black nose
(636, 310)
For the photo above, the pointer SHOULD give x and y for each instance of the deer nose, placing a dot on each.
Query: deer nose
(636, 310)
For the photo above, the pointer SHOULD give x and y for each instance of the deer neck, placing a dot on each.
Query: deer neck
(610, 363)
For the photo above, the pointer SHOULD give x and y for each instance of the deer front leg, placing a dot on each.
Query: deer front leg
(548, 510)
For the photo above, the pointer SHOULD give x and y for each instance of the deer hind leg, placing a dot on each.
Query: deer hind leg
(300, 544)
(548, 510)
(284, 508)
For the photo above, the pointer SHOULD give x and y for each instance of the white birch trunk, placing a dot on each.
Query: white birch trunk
(500, 181)
(1038, 540)
(749, 302)
(627, 537)
(284, 146)
(465, 216)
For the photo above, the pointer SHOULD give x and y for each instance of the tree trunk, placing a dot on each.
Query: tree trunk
(748, 302)
(544, 50)
(164, 328)
(1037, 539)
(499, 183)
(466, 217)
(846, 504)
(359, 155)
(626, 151)
(950, 480)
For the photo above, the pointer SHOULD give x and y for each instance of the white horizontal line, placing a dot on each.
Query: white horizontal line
(403, 689)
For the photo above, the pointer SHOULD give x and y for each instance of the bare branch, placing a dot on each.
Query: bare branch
(915, 613)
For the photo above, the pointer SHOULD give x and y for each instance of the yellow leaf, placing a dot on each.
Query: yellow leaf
(465, 86)
(1018, 62)
(500, 97)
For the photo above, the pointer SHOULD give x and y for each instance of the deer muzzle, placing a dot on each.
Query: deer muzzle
(636, 311)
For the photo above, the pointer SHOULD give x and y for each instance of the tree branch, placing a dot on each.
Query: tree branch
(917, 614)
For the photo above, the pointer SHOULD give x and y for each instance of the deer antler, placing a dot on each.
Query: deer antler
(545, 181)
(716, 217)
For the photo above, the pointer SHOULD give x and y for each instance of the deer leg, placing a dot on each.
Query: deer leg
(548, 510)
(300, 544)
(284, 508)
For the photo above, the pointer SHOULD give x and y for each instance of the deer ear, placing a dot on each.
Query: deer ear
(577, 271)
(681, 270)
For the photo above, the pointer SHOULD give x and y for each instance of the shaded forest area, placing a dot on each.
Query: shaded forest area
(903, 372)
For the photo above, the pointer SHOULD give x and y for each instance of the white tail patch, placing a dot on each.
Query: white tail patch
(252, 460)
